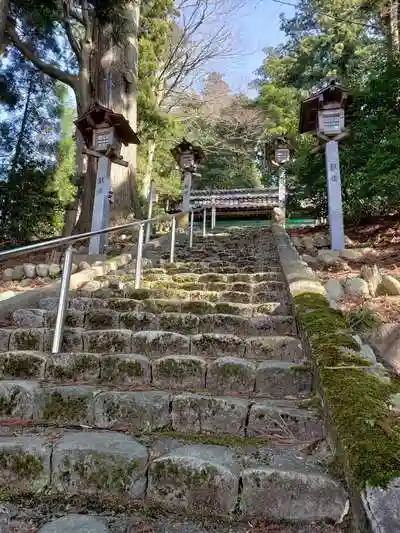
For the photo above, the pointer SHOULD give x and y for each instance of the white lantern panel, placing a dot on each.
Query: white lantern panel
(331, 121)
(186, 160)
(282, 155)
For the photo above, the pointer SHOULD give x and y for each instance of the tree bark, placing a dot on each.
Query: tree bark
(3, 23)
(124, 72)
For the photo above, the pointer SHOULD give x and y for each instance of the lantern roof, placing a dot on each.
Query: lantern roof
(187, 146)
(98, 116)
(333, 93)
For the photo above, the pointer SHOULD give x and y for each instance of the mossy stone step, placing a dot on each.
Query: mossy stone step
(183, 412)
(99, 465)
(154, 343)
(186, 323)
(159, 305)
(233, 296)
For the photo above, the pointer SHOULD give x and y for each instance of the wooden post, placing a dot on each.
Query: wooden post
(151, 200)
(282, 191)
(334, 187)
(101, 209)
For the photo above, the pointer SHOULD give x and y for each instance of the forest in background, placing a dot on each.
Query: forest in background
(149, 61)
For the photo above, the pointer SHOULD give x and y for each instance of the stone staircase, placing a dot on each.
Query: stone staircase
(190, 395)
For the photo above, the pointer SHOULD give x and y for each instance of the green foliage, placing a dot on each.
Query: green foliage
(343, 40)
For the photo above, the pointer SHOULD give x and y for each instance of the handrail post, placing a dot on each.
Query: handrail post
(139, 255)
(191, 229)
(204, 222)
(63, 301)
(173, 231)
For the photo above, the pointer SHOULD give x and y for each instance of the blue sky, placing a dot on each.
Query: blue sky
(256, 26)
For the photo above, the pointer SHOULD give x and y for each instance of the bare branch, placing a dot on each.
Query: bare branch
(46, 68)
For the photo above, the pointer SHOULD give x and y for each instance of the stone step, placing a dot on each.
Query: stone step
(142, 523)
(186, 323)
(157, 274)
(195, 479)
(129, 291)
(151, 411)
(159, 305)
(258, 375)
(154, 343)
(202, 268)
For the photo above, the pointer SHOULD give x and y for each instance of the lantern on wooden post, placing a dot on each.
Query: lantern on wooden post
(188, 157)
(104, 133)
(280, 150)
(323, 115)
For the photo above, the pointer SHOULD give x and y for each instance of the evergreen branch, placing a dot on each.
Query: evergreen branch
(51, 70)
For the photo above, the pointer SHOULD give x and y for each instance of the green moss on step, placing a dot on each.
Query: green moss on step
(101, 474)
(9, 404)
(24, 465)
(76, 368)
(61, 409)
(21, 366)
(172, 368)
(358, 403)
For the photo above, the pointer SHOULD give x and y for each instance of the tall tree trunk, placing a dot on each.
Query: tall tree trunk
(93, 87)
(3, 22)
(124, 72)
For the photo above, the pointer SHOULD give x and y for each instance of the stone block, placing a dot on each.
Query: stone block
(73, 523)
(179, 372)
(29, 270)
(280, 379)
(18, 400)
(27, 339)
(72, 340)
(274, 348)
(125, 369)
(67, 405)
(232, 308)
(160, 305)
(29, 318)
(291, 495)
(225, 323)
(25, 464)
(356, 287)
(202, 413)
(198, 307)
(269, 419)
(139, 411)
(272, 325)
(272, 308)
(100, 463)
(42, 270)
(195, 479)
(18, 273)
(124, 305)
(73, 318)
(231, 374)
(101, 319)
(213, 278)
(139, 321)
(217, 345)
(73, 367)
(108, 341)
(22, 365)
(185, 323)
(159, 343)
(235, 297)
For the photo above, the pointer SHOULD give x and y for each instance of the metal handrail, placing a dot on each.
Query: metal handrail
(67, 267)
(55, 243)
